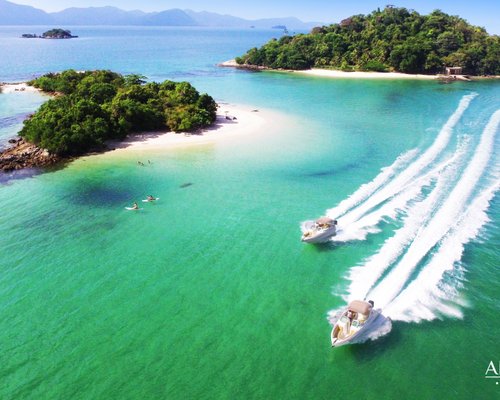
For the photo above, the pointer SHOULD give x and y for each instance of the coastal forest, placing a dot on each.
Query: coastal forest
(392, 39)
(89, 108)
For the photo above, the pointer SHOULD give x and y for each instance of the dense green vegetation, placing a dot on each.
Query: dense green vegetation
(57, 34)
(51, 34)
(394, 39)
(92, 107)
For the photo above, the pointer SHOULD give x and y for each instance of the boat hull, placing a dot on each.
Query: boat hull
(311, 235)
(375, 326)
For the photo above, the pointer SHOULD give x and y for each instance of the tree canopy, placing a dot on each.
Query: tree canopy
(94, 106)
(394, 39)
(57, 34)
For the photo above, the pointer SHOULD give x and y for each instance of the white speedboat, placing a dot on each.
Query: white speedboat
(319, 231)
(358, 323)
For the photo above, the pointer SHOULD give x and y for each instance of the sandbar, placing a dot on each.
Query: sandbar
(17, 87)
(232, 121)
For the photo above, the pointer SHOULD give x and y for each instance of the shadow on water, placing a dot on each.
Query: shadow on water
(8, 177)
(13, 119)
(321, 174)
(325, 247)
(394, 97)
(99, 226)
(99, 195)
(332, 244)
(331, 172)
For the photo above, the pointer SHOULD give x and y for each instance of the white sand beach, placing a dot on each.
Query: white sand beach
(330, 73)
(229, 63)
(17, 87)
(232, 121)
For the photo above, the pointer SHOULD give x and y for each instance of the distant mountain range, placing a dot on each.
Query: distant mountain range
(15, 14)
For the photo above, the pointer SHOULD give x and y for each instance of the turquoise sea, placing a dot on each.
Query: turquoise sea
(209, 293)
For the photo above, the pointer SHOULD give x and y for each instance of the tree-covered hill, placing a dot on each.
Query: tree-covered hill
(394, 39)
(94, 106)
(58, 34)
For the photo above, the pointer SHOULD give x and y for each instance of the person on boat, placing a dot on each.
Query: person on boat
(135, 206)
(350, 317)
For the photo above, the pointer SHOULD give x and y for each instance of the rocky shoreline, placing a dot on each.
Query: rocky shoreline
(25, 155)
(233, 64)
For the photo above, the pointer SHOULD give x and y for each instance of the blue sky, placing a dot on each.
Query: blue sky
(478, 12)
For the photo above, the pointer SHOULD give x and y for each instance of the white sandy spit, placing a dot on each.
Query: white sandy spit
(17, 87)
(330, 73)
(229, 63)
(232, 121)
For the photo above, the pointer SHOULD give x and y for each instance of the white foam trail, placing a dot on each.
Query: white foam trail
(363, 278)
(396, 185)
(424, 298)
(358, 230)
(443, 220)
(367, 189)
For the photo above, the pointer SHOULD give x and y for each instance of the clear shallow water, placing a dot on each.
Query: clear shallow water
(209, 293)
(14, 108)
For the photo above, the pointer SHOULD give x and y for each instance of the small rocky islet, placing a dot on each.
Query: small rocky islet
(51, 34)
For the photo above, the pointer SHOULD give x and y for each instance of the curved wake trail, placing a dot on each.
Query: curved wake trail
(367, 189)
(383, 193)
(425, 293)
(443, 220)
(416, 274)
(367, 224)
(364, 277)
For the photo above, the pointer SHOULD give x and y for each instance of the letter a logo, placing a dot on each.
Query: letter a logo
(491, 368)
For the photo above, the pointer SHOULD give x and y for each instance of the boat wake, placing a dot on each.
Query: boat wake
(439, 201)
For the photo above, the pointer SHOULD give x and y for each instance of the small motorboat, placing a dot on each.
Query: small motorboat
(319, 231)
(358, 323)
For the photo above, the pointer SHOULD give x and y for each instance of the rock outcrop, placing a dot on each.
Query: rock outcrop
(25, 155)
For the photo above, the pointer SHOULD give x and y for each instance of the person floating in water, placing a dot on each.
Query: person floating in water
(135, 206)
(150, 198)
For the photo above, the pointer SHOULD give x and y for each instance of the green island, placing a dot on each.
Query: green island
(392, 39)
(92, 107)
(51, 34)
(57, 34)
